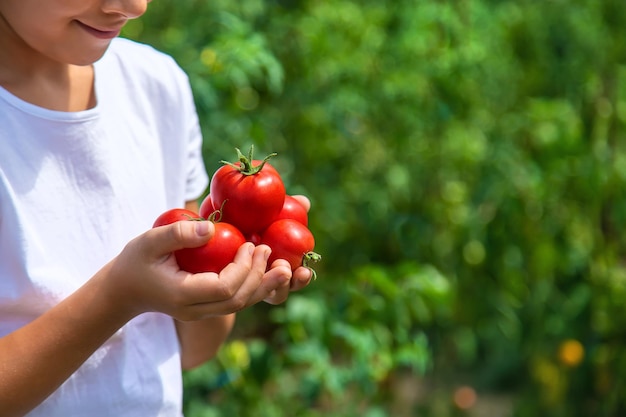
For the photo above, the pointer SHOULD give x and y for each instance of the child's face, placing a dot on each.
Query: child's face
(68, 31)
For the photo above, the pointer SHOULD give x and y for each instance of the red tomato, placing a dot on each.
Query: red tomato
(206, 207)
(250, 192)
(290, 240)
(292, 209)
(175, 215)
(213, 256)
(254, 238)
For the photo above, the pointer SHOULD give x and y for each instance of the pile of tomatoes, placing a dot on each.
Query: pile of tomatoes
(247, 201)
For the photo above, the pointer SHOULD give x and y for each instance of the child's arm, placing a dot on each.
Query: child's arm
(37, 358)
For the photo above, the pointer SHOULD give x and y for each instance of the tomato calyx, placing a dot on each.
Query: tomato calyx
(311, 257)
(245, 162)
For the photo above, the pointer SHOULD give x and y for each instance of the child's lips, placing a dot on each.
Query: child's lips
(101, 33)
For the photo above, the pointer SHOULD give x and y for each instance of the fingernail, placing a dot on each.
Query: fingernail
(202, 228)
(251, 249)
(266, 254)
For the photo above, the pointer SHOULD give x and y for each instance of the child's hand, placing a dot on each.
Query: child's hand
(146, 277)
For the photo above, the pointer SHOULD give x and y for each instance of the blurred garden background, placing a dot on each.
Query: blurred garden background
(466, 163)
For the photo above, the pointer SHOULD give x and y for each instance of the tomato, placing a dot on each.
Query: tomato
(292, 241)
(250, 193)
(206, 207)
(292, 209)
(254, 238)
(175, 215)
(214, 255)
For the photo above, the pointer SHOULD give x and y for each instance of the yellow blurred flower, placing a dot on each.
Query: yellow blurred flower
(571, 353)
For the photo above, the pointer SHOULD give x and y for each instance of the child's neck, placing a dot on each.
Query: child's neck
(71, 90)
(44, 82)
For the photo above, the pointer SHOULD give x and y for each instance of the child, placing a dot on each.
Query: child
(99, 135)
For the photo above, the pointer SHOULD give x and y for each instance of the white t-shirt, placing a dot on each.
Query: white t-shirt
(74, 189)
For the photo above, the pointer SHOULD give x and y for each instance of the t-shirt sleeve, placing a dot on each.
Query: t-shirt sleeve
(164, 98)
(197, 179)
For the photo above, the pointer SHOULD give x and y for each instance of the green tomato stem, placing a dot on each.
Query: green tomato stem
(245, 162)
(311, 257)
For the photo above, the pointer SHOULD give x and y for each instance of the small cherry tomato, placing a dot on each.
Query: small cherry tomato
(213, 256)
(175, 215)
(206, 207)
(292, 209)
(254, 238)
(292, 241)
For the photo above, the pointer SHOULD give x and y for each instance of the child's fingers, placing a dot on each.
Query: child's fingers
(301, 278)
(210, 287)
(262, 284)
(280, 274)
(304, 200)
(163, 240)
(241, 284)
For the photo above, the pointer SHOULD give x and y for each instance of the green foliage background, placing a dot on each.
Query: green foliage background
(466, 163)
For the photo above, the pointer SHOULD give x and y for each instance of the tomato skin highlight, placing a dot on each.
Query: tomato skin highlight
(289, 240)
(249, 202)
(292, 209)
(213, 256)
(175, 215)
